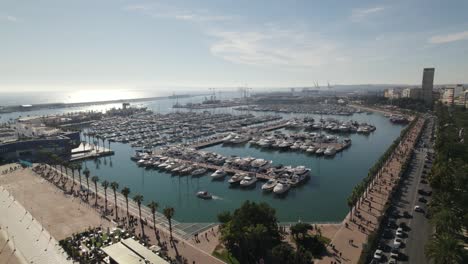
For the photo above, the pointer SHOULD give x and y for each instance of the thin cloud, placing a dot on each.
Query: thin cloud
(359, 14)
(8, 18)
(442, 39)
(272, 48)
(175, 13)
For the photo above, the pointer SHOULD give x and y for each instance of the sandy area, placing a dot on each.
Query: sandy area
(61, 215)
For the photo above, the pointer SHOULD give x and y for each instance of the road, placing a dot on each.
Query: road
(415, 224)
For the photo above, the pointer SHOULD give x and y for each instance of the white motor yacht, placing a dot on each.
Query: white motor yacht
(199, 172)
(269, 185)
(320, 151)
(237, 178)
(281, 187)
(248, 181)
(311, 149)
(218, 174)
(330, 151)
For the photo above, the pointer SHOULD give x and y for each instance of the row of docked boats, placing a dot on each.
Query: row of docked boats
(321, 108)
(312, 143)
(148, 130)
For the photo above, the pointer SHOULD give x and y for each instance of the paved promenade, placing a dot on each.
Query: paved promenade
(349, 240)
(24, 239)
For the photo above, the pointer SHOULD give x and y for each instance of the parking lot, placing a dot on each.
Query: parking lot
(407, 229)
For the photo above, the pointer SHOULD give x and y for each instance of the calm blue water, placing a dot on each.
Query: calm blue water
(323, 198)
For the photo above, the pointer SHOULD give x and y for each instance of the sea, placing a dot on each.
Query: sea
(322, 199)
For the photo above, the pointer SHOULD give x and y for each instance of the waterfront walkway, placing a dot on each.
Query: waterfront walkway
(348, 242)
(182, 232)
(24, 239)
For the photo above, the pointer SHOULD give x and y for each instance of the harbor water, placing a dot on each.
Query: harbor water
(321, 199)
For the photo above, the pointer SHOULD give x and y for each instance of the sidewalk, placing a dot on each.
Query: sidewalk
(349, 240)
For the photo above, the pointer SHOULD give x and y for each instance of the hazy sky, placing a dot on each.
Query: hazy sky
(68, 44)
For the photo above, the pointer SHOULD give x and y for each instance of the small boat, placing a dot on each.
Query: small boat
(218, 174)
(269, 185)
(330, 151)
(199, 172)
(237, 178)
(187, 170)
(204, 195)
(320, 151)
(311, 150)
(248, 181)
(281, 187)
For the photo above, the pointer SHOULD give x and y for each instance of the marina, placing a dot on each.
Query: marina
(330, 176)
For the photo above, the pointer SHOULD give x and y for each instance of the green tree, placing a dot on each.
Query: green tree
(444, 249)
(115, 186)
(299, 230)
(126, 193)
(251, 232)
(95, 179)
(169, 213)
(139, 199)
(87, 173)
(79, 167)
(105, 185)
(154, 207)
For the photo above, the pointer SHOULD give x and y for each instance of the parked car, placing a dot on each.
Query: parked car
(418, 208)
(378, 254)
(399, 232)
(397, 242)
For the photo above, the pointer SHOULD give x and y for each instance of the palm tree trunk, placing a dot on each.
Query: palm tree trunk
(128, 216)
(170, 228)
(115, 202)
(105, 200)
(95, 188)
(141, 222)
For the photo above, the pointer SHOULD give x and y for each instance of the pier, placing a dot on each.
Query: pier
(254, 131)
(89, 151)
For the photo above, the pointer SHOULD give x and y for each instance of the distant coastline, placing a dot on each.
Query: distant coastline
(33, 107)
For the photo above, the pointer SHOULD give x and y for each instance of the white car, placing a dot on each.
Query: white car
(399, 232)
(418, 208)
(378, 254)
(397, 242)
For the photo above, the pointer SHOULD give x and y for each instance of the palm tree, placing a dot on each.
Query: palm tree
(139, 199)
(105, 184)
(86, 173)
(73, 168)
(444, 248)
(154, 207)
(446, 221)
(169, 213)
(78, 167)
(350, 203)
(115, 186)
(125, 193)
(95, 179)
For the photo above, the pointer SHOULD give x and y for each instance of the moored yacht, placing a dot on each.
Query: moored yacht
(237, 178)
(330, 151)
(281, 187)
(199, 172)
(248, 181)
(269, 185)
(218, 174)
